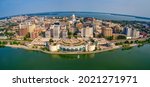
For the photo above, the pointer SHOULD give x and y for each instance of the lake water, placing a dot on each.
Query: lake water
(137, 58)
(102, 16)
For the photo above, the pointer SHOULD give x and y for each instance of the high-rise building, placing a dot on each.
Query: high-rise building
(23, 30)
(34, 31)
(31, 27)
(128, 31)
(56, 31)
(107, 32)
(135, 33)
(87, 32)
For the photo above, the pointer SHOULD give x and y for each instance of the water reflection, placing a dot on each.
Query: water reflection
(73, 56)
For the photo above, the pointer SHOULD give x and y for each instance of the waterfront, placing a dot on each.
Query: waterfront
(136, 58)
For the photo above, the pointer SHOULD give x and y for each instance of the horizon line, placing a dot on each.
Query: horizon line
(120, 14)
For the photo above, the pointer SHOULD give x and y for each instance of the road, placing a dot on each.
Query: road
(139, 39)
(15, 40)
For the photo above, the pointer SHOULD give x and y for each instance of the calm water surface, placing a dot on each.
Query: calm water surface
(102, 16)
(133, 59)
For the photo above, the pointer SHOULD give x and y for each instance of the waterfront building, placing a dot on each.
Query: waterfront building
(107, 32)
(72, 48)
(72, 45)
(54, 47)
(90, 47)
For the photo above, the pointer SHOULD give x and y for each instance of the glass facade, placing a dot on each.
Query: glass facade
(72, 49)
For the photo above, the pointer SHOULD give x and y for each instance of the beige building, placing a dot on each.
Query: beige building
(32, 27)
(107, 32)
(135, 33)
(87, 32)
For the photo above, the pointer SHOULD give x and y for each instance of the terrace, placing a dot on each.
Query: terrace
(72, 42)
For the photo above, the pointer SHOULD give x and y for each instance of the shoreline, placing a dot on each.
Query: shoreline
(97, 51)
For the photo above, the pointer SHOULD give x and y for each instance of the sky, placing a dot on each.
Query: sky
(129, 7)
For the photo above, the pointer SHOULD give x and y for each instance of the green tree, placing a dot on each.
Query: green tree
(119, 43)
(4, 42)
(131, 42)
(27, 36)
(127, 42)
(51, 40)
(92, 40)
(70, 33)
(121, 37)
(109, 38)
(136, 41)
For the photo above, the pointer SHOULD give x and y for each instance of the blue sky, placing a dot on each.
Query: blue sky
(131, 7)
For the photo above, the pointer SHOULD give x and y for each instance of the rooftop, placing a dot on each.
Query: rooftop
(72, 42)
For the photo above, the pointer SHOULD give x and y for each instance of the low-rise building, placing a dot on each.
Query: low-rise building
(54, 47)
